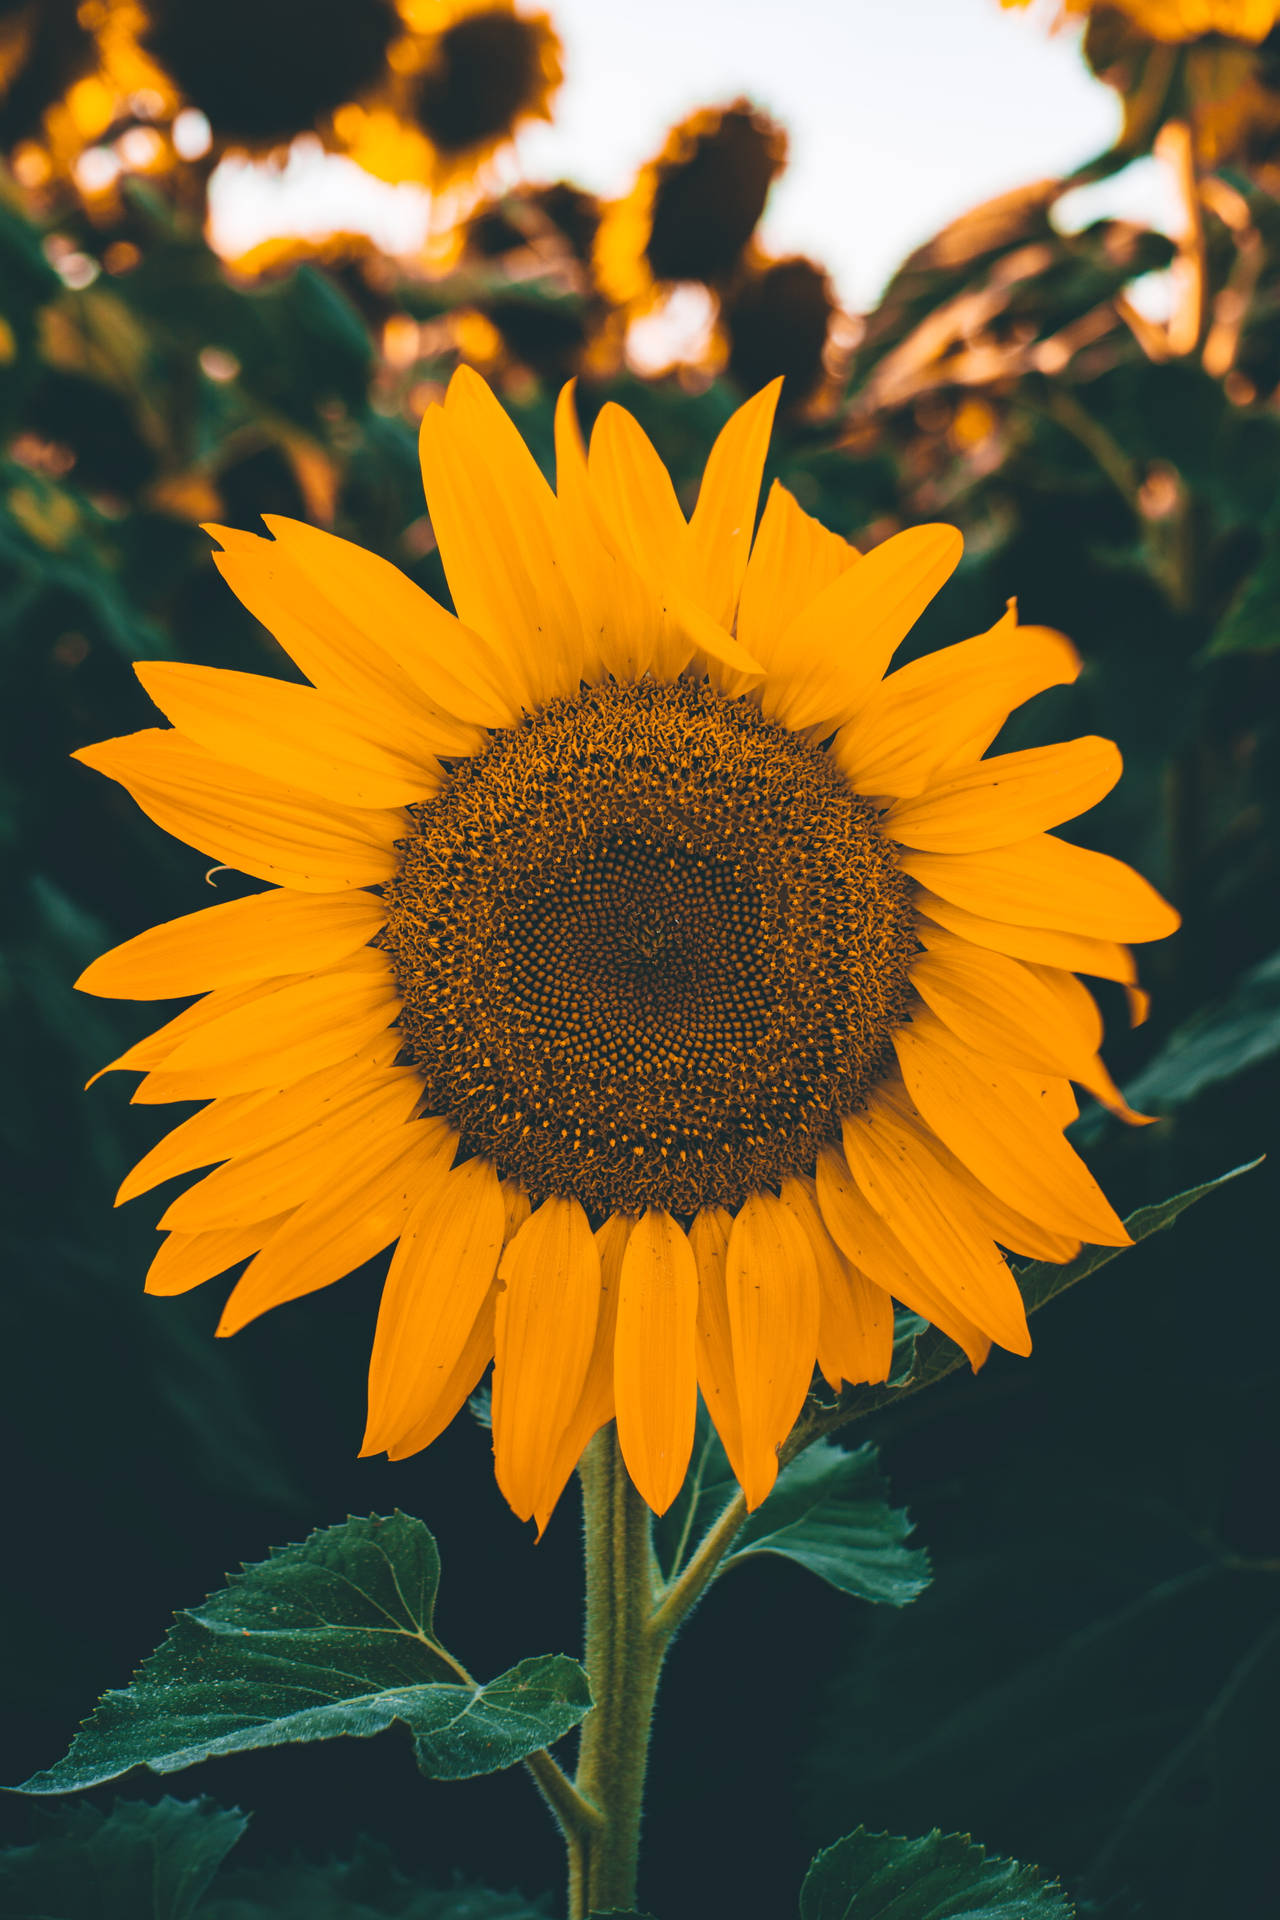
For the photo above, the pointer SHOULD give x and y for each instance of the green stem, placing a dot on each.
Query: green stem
(623, 1659)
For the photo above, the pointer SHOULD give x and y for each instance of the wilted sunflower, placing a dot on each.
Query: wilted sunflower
(676, 990)
(1176, 20)
(693, 208)
(775, 322)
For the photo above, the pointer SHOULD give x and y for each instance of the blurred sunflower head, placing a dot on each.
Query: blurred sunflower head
(673, 988)
(1176, 20)
(776, 320)
(263, 71)
(693, 209)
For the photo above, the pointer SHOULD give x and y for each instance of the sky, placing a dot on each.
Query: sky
(901, 114)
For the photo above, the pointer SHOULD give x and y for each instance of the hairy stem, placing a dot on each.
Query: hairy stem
(624, 1657)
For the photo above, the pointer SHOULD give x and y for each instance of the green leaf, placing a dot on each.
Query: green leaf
(1251, 624)
(829, 1512)
(368, 1887)
(944, 1876)
(136, 1861)
(327, 1638)
(1215, 1044)
(923, 1355)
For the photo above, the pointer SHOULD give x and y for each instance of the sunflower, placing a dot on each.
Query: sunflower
(776, 321)
(693, 208)
(673, 989)
(467, 76)
(1177, 20)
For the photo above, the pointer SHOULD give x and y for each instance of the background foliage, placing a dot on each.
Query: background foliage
(1087, 1682)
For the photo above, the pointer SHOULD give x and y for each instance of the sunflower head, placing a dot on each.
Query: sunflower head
(484, 70)
(263, 71)
(694, 207)
(673, 985)
(776, 321)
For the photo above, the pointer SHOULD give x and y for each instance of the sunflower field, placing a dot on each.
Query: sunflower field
(639, 823)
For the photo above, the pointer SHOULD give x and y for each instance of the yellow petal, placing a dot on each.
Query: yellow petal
(281, 1036)
(709, 1238)
(543, 1342)
(187, 1260)
(869, 1245)
(1105, 959)
(621, 615)
(1006, 798)
(351, 1218)
(155, 1048)
(1043, 882)
(855, 1317)
(271, 831)
(1078, 1011)
(1002, 1008)
(340, 655)
(724, 519)
(947, 708)
(794, 558)
(440, 1279)
(1001, 1133)
(900, 1180)
(238, 941)
(655, 1383)
(596, 1405)
(496, 520)
(837, 648)
(634, 493)
(458, 671)
(287, 1173)
(771, 1282)
(289, 733)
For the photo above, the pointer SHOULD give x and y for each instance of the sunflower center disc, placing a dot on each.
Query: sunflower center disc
(650, 948)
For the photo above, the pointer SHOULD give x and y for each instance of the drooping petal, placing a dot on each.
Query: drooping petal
(1043, 882)
(771, 1282)
(543, 1340)
(346, 1222)
(282, 1176)
(838, 647)
(477, 1350)
(1105, 959)
(237, 941)
(709, 1239)
(947, 708)
(440, 1277)
(855, 1316)
(995, 802)
(187, 1260)
(596, 1404)
(272, 831)
(899, 1178)
(723, 521)
(1002, 1134)
(868, 1243)
(289, 733)
(655, 1368)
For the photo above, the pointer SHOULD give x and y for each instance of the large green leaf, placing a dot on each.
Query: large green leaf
(137, 1862)
(923, 1355)
(944, 1876)
(327, 1638)
(829, 1512)
(1215, 1044)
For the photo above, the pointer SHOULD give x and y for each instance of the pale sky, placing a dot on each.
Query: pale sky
(901, 113)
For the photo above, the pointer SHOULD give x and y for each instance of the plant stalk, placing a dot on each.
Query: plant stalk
(624, 1655)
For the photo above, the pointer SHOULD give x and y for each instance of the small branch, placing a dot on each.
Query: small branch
(681, 1594)
(575, 1814)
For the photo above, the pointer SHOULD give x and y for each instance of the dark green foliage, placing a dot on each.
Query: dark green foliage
(328, 1638)
(137, 1862)
(874, 1876)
